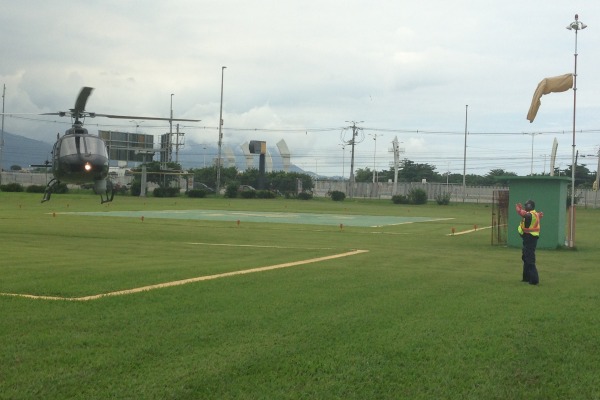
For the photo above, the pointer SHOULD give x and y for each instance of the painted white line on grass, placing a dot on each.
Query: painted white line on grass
(469, 231)
(190, 280)
(412, 222)
(259, 246)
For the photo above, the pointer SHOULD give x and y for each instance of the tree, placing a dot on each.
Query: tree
(491, 179)
(363, 175)
(413, 172)
(250, 177)
(583, 177)
(208, 175)
(287, 182)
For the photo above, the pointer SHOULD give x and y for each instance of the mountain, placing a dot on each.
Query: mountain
(22, 151)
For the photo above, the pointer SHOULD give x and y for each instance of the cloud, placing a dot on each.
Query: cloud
(303, 65)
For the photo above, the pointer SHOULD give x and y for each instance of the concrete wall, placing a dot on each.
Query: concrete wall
(587, 198)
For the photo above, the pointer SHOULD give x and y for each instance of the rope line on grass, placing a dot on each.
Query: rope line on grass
(190, 280)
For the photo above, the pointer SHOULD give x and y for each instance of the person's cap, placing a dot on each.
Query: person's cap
(529, 205)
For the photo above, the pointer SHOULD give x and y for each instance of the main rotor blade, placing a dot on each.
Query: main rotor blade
(142, 118)
(59, 113)
(82, 99)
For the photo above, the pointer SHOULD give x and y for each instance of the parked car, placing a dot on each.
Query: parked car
(202, 186)
(245, 188)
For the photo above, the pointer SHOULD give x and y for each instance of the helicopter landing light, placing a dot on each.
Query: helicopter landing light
(87, 166)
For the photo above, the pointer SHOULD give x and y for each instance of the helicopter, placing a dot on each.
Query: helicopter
(79, 157)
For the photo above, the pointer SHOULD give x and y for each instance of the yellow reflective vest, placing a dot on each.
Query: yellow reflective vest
(534, 227)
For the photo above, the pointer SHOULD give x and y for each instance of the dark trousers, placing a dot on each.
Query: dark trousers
(530, 273)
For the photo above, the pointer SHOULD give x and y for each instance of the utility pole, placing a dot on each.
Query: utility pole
(397, 150)
(355, 130)
(220, 144)
(177, 144)
(168, 147)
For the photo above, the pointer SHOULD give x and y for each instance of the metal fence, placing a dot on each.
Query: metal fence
(381, 190)
(29, 178)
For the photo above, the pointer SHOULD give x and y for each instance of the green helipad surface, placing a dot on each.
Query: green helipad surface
(273, 217)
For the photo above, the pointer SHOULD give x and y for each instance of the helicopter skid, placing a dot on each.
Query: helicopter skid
(49, 189)
(102, 187)
(105, 189)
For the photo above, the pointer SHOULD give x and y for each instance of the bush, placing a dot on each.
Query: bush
(443, 199)
(336, 195)
(36, 189)
(61, 188)
(265, 194)
(136, 188)
(197, 193)
(305, 196)
(12, 187)
(166, 192)
(120, 189)
(248, 194)
(400, 199)
(232, 190)
(417, 196)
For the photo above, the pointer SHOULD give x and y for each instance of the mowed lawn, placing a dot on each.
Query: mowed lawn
(418, 315)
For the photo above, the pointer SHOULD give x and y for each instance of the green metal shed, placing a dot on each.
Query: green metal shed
(550, 196)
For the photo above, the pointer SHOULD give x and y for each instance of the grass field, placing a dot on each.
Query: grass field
(417, 315)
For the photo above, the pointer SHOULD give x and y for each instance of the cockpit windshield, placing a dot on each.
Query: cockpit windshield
(83, 145)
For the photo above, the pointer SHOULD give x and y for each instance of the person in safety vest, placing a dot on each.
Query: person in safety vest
(529, 229)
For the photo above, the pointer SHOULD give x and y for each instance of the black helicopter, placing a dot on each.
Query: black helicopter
(79, 157)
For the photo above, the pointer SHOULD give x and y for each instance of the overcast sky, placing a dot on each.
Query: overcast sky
(299, 69)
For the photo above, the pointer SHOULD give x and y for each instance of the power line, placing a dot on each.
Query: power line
(310, 130)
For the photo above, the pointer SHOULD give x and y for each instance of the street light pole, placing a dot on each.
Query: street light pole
(465, 155)
(343, 160)
(2, 133)
(220, 134)
(576, 26)
(169, 147)
(374, 155)
(532, 136)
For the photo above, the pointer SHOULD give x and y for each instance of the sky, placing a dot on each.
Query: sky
(424, 72)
